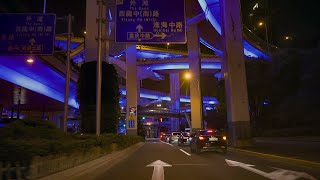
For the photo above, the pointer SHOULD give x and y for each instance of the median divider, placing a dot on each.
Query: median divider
(97, 167)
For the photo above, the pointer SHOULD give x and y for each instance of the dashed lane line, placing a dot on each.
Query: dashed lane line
(185, 152)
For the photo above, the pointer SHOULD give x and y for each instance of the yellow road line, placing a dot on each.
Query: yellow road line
(277, 157)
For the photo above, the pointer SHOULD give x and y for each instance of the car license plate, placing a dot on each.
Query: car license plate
(213, 139)
(185, 138)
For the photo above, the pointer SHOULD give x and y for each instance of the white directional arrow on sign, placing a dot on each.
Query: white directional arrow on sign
(279, 174)
(162, 35)
(139, 28)
(158, 172)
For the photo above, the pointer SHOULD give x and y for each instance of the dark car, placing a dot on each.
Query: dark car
(184, 139)
(208, 140)
(163, 136)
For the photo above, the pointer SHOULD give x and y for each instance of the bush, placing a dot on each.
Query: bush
(25, 139)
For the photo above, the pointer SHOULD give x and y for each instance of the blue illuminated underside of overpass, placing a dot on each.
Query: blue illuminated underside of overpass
(37, 77)
(212, 11)
(40, 78)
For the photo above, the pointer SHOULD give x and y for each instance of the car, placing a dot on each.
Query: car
(184, 139)
(208, 140)
(163, 136)
(174, 136)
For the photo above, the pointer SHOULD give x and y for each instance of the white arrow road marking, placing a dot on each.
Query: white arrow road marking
(185, 152)
(279, 174)
(158, 172)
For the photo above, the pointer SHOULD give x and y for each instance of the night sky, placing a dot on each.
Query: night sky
(298, 19)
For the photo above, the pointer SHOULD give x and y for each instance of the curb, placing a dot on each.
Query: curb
(98, 166)
(282, 158)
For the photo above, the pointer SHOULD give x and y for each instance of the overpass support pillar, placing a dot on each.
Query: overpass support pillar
(195, 68)
(175, 99)
(131, 89)
(235, 75)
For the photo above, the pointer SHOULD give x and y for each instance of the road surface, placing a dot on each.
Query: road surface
(157, 160)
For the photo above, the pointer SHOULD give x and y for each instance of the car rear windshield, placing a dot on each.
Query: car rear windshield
(175, 134)
(185, 134)
(209, 133)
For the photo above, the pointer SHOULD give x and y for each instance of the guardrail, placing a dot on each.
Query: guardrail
(257, 41)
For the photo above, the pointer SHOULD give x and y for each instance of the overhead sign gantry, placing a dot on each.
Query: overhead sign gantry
(27, 34)
(145, 21)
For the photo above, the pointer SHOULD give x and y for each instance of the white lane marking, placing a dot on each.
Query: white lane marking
(279, 174)
(185, 152)
(158, 170)
(167, 143)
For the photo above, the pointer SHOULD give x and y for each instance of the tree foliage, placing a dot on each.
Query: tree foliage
(86, 96)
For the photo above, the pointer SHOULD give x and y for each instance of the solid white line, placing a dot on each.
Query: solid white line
(167, 143)
(185, 152)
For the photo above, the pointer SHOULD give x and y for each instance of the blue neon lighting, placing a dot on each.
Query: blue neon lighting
(184, 65)
(28, 83)
(63, 44)
(156, 55)
(206, 100)
(216, 51)
(249, 50)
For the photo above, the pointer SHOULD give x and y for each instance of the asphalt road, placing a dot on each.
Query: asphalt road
(207, 165)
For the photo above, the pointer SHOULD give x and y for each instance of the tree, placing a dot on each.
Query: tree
(259, 83)
(86, 95)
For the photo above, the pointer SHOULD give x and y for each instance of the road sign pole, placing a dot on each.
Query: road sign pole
(66, 95)
(44, 6)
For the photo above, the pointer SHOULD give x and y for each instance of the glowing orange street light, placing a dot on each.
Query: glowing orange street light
(260, 23)
(187, 75)
(30, 60)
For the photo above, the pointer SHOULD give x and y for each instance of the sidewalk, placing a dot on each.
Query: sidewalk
(303, 150)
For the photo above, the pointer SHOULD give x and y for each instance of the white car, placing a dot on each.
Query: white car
(174, 137)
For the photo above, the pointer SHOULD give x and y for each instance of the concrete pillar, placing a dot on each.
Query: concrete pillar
(91, 49)
(131, 88)
(234, 74)
(175, 99)
(195, 67)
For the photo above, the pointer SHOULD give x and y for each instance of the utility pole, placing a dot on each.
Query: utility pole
(66, 95)
(99, 66)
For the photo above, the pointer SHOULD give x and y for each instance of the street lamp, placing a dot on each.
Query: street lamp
(288, 38)
(30, 60)
(187, 75)
(168, 45)
(260, 23)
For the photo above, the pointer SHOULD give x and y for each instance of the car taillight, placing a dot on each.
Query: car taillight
(201, 138)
